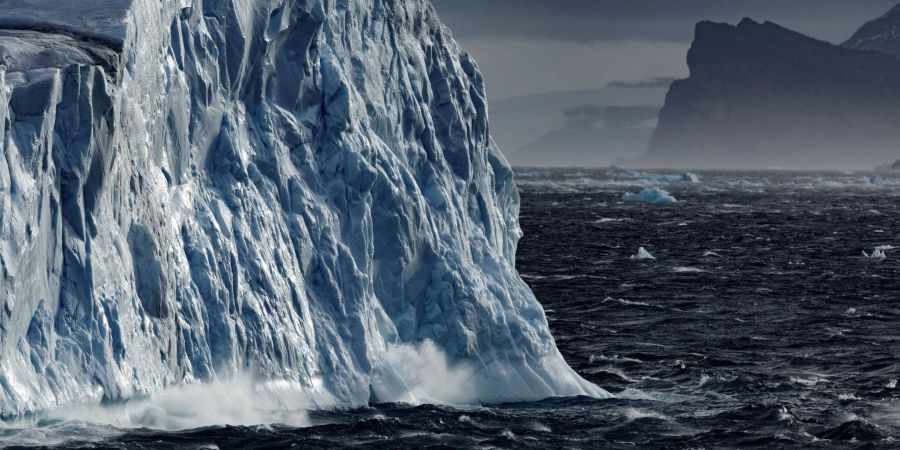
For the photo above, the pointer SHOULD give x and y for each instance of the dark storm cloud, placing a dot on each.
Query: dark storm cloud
(649, 83)
(598, 20)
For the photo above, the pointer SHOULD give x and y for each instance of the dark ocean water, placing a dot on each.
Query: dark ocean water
(759, 323)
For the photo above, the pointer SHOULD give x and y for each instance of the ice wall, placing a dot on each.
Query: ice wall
(294, 190)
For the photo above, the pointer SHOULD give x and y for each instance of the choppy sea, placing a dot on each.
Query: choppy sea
(759, 323)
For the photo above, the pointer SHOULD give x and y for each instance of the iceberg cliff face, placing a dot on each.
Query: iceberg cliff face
(293, 189)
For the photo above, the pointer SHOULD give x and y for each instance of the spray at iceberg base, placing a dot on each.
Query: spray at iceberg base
(421, 374)
(301, 191)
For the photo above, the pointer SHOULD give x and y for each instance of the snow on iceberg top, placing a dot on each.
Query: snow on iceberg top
(24, 50)
(103, 20)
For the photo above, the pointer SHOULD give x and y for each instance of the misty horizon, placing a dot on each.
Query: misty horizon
(537, 75)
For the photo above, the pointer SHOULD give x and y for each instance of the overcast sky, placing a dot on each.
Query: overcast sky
(538, 46)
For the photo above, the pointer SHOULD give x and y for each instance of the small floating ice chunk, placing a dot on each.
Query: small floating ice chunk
(878, 254)
(710, 253)
(652, 195)
(688, 177)
(642, 254)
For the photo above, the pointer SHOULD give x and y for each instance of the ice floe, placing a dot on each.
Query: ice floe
(652, 195)
(878, 254)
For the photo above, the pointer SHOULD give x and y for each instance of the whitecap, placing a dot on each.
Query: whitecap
(508, 434)
(809, 381)
(614, 358)
(685, 269)
(611, 371)
(624, 302)
(784, 415)
(610, 220)
(637, 414)
(662, 397)
(703, 380)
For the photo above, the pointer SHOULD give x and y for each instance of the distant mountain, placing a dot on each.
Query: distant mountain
(761, 96)
(895, 167)
(518, 123)
(881, 34)
(593, 136)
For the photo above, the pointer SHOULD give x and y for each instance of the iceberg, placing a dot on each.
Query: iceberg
(878, 254)
(295, 191)
(686, 177)
(642, 254)
(652, 195)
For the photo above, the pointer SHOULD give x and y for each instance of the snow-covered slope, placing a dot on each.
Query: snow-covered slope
(300, 190)
(881, 34)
